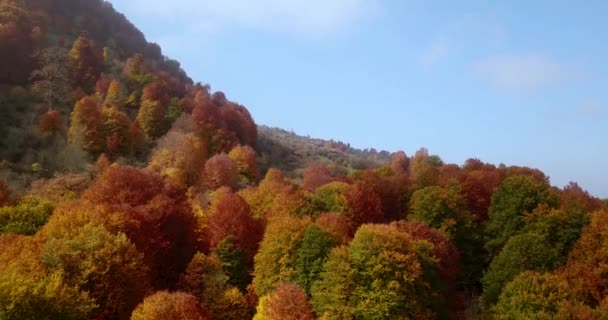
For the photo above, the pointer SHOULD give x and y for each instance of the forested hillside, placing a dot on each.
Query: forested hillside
(79, 81)
(127, 191)
(291, 153)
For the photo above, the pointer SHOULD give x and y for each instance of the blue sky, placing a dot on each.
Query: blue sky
(517, 82)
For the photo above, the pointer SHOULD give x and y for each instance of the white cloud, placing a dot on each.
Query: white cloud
(523, 72)
(314, 17)
(437, 52)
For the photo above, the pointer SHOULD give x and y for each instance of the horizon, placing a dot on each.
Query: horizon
(517, 83)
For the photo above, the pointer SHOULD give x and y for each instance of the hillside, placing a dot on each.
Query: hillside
(291, 152)
(128, 191)
(79, 80)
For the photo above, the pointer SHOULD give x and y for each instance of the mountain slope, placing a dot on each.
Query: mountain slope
(79, 80)
(134, 193)
(290, 153)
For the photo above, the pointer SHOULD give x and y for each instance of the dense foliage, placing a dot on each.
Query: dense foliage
(129, 192)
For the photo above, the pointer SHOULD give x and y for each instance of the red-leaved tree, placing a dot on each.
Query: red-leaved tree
(230, 218)
(154, 214)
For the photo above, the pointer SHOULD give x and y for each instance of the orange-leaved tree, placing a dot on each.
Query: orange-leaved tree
(286, 302)
(165, 305)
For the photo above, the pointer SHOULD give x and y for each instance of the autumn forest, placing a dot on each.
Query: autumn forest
(128, 191)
